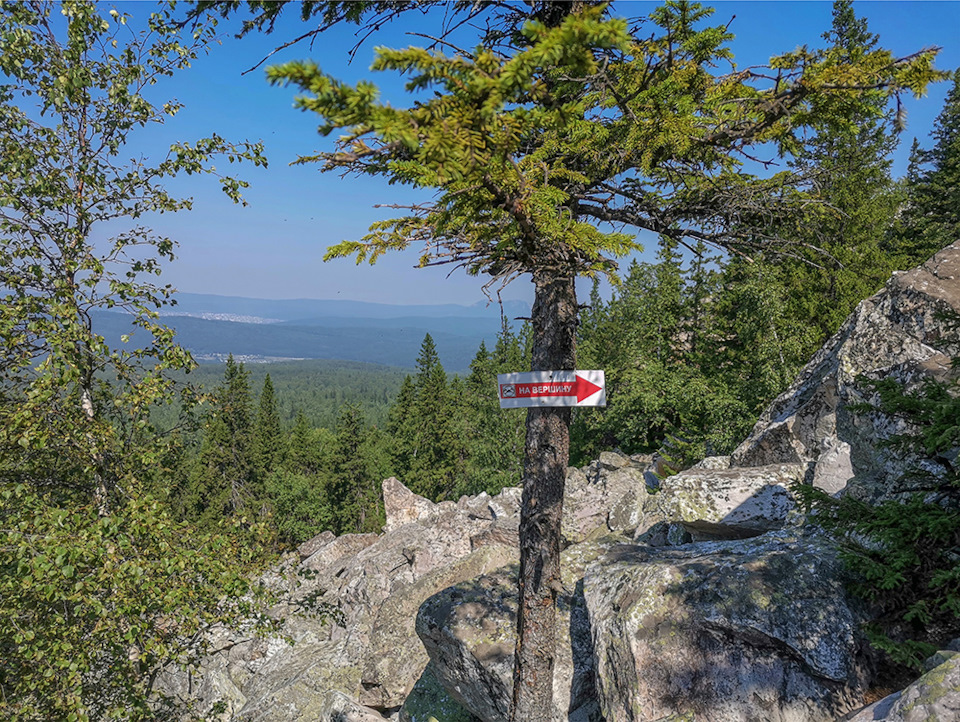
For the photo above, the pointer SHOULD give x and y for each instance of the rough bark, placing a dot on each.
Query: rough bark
(546, 457)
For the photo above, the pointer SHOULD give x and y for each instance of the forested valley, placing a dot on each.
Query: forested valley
(137, 500)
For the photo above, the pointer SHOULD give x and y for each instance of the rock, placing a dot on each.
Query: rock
(612, 460)
(430, 701)
(402, 506)
(892, 335)
(369, 586)
(312, 546)
(469, 631)
(935, 697)
(342, 547)
(730, 503)
(608, 495)
(717, 463)
(394, 659)
(758, 629)
(337, 707)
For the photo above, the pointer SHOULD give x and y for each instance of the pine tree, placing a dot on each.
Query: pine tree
(930, 219)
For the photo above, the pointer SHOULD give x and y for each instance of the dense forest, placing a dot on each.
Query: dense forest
(138, 494)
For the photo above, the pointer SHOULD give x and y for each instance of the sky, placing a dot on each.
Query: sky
(273, 248)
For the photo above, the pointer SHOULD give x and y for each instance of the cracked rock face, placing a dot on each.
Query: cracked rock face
(759, 629)
(894, 334)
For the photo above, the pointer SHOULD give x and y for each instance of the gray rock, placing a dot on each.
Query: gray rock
(612, 460)
(469, 631)
(372, 584)
(429, 700)
(394, 660)
(894, 334)
(401, 506)
(717, 463)
(759, 629)
(604, 496)
(935, 697)
(731, 503)
(312, 546)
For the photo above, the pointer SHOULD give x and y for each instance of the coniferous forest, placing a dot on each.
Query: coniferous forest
(137, 500)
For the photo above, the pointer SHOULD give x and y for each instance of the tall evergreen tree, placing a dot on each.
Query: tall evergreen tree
(226, 480)
(847, 163)
(353, 494)
(270, 446)
(493, 437)
(426, 446)
(400, 428)
(931, 217)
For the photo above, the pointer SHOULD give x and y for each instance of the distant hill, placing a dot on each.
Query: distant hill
(263, 330)
(312, 311)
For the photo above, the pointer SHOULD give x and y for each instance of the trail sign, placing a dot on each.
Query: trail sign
(552, 388)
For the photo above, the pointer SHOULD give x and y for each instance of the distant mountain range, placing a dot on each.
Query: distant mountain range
(256, 330)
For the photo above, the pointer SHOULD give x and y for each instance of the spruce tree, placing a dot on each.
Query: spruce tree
(270, 446)
(352, 493)
(930, 219)
(401, 430)
(226, 482)
(847, 163)
(430, 440)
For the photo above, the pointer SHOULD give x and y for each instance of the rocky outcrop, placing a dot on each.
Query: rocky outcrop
(730, 503)
(363, 648)
(739, 630)
(695, 596)
(469, 631)
(895, 334)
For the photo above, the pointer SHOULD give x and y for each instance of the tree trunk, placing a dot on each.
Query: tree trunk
(545, 465)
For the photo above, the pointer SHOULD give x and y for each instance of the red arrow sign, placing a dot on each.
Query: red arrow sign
(581, 388)
(552, 388)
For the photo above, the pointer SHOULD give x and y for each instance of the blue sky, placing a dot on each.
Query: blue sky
(273, 248)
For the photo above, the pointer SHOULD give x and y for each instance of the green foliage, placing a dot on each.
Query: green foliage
(94, 608)
(493, 438)
(100, 590)
(839, 256)
(226, 480)
(270, 447)
(353, 492)
(930, 219)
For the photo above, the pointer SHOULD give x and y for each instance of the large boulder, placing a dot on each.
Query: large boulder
(896, 334)
(731, 503)
(469, 631)
(758, 629)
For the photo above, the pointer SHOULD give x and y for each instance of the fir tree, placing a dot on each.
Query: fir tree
(428, 435)
(353, 494)
(847, 162)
